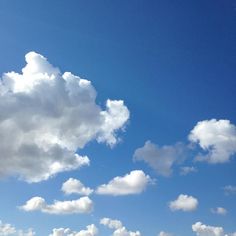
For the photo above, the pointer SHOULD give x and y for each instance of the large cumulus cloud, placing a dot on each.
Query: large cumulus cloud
(46, 116)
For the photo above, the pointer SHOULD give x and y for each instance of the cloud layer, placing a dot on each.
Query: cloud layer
(133, 183)
(81, 205)
(46, 116)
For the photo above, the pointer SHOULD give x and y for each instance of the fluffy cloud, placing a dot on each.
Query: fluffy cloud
(133, 183)
(9, 230)
(206, 230)
(75, 186)
(81, 205)
(119, 229)
(90, 231)
(184, 203)
(161, 159)
(46, 116)
(230, 189)
(217, 137)
(219, 211)
(185, 170)
(162, 233)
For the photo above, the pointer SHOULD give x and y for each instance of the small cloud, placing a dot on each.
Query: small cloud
(162, 233)
(219, 211)
(185, 170)
(229, 189)
(133, 183)
(81, 205)
(184, 203)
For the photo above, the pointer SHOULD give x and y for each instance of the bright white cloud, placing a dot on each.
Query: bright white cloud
(206, 230)
(91, 230)
(161, 159)
(81, 205)
(162, 233)
(9, 230)
(185, 170)
(230, 189)
(133, 183)
(75, 186)
(117, 226)
(217, 137)
(219, 211)
(184, 203)
(46, 116)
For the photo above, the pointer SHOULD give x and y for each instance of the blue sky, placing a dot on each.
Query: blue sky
(172, 63)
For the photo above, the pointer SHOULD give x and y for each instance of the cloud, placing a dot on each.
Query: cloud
(46, 116)
(75, 186)
(184, 203)
(217, 138)
(9, 230)
(162, 233)
(117, 226)
(230, 189)
(81, 205)
(219, 211)
(206, 230)
(161, 159)
(90, 231)
(185, 170)
(133, 183)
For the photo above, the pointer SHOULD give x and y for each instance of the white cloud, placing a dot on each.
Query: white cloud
(133, 183)
(217, 137)
(162, 233)
(9, 230)
(219, 211)
(75, 186)
(117, 226)
(46, 116)
(206, 230)
(161, 159)
(184, 203)
(230, 189)
(91, 230)
(185, 170)
(81, 205)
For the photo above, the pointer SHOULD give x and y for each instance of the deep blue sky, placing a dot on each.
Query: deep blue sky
(172, 62)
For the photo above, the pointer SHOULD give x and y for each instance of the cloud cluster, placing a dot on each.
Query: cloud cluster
(206, 230)
(81, 205)
(184, 203)
(75, 186)
(91, 230)
(9, 230)
(46, 116)
(161, 159)
(217, 137)
(117, 226)
(133, 183)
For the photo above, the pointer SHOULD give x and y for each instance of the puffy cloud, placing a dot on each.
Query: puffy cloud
(229, 189)
(217, 137)
(162, 233)
(75, 186)
(46, 116)
(161, 159)
(219, 211)
(184, 203)
(119, 229)
(9, 230)
(185, 170)
(81, 205)
(90, 231)
(133, 183)
(206, 230)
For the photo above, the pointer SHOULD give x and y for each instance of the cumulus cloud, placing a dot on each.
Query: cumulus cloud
(219, 211)
(9, 230)
(161, 159)
(185, 170)
(81, 205)
(133, 183)
(117, 226)
(162, 233)
(229, 189)
(75, 186)
(46, 116)
(184, 203)
(206, 230)
(217, 138)
(91, 230)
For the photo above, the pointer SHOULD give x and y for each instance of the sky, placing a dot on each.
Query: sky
(117, 118)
